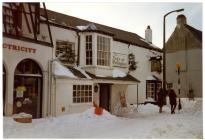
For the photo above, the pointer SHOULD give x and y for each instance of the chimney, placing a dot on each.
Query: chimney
(148, 34)
(181, 20)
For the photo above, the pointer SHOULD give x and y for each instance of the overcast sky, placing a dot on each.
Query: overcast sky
(135, 16)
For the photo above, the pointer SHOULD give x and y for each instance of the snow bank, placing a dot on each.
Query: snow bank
(60, 70)
(22, 115)
(118, 73)
(90, 114)
(145, 122)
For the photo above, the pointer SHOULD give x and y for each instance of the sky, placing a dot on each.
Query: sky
(133, 16)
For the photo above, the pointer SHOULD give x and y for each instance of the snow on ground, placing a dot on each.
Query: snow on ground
(144, 122)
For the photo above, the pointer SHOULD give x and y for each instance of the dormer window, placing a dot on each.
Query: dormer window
(103, 51)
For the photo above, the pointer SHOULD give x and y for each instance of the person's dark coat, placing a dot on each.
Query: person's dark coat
(160, 98)
(172, 97)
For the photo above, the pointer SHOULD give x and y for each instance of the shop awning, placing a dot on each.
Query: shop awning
(128, 79)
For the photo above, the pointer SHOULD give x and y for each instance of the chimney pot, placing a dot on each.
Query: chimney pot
(181, 20)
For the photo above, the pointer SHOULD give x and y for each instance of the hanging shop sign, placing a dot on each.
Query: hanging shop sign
(119, 60)
(19, 48)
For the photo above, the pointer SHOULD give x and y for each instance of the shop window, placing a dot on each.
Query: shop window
(103, 51)
(156, 65)
(27, 67)
(82, 93)
(89, 50)
(27, 95)
(66, 51)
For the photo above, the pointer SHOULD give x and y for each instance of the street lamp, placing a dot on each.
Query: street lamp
(164, 49)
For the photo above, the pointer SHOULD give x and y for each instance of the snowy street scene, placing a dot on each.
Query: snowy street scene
(144, 122)
(116, 70)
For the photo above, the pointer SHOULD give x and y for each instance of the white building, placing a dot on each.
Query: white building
(87, 63)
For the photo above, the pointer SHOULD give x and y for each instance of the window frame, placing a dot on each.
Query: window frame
(103, 51)
(72, 44)
(79, 94)
(88, 50)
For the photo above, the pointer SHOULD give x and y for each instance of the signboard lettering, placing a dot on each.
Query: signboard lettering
(19, 48)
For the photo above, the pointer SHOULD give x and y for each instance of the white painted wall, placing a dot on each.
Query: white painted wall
(143, 70)
(64, 96)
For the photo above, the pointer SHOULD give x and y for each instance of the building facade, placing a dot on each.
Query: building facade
(66, 64)
(184, 50)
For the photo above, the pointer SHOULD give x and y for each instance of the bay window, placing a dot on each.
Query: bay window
(89, 50)
(103, 51)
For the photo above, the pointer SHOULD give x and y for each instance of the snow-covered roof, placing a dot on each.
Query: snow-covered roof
(82, 71)
(118, 73)
(60, 70)
(90, 26)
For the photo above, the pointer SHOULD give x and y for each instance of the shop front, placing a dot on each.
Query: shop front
(25, 78)
(111, 91)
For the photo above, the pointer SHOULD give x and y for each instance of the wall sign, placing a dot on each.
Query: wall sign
(19, 48)
(119, 60)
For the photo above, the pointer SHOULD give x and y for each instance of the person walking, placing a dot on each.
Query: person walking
(172, 99)
(160, 100)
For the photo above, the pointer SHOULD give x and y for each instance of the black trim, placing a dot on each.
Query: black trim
(60, 26)
(22, 38)
(49, 29)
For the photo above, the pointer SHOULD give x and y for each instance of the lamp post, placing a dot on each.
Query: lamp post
(164, 49)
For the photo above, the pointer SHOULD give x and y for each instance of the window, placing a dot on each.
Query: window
(153, 88)
(150, 90)
(12, 17)
(82, 93)
(103, 51)
(89, 50)
(156, 65)
(66, 50)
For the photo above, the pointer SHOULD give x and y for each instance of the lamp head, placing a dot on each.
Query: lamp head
(180, 10)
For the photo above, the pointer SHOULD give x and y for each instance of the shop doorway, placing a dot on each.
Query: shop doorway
(105, 96)
(28, 88)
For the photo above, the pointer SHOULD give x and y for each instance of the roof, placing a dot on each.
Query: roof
(76, 72)
(195, 32)
(126, 78)
(188, 32)
(118, 34)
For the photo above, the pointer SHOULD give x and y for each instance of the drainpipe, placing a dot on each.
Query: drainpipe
(78, 55)
(137, 96)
